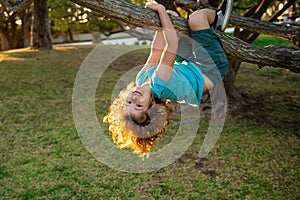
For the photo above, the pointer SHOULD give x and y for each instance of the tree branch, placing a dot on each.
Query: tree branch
(121, 10)
(275, 56)
(20, 7)
(263, 27)
(251, 24)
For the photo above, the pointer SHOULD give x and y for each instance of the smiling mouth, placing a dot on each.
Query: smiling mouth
(138, 93)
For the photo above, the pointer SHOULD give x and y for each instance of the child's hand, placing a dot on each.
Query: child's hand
(173, 13)
(153, 5)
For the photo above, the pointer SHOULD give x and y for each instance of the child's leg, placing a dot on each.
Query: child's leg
(207, 48)
(201, 19)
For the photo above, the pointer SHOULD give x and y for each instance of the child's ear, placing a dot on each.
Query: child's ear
(153, 101)
(148, 111)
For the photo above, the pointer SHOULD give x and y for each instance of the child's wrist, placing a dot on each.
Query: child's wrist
(162, 10)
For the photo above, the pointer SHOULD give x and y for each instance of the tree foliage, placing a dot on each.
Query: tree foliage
(66, 16)
(63, 14)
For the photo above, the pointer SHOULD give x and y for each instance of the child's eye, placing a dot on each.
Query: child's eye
(129, 102)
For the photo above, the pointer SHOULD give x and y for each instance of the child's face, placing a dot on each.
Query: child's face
(138, 100)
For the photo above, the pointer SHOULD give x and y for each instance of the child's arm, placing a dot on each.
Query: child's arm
(157, 47)
(168, 55)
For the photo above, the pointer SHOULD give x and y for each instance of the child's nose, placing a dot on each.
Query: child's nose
(134, 98)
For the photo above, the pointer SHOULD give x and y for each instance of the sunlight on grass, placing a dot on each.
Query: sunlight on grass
(6, 57)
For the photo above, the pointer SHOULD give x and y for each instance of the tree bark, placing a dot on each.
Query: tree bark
(40, 26)
(70, 34)
(229, 81)
(11, 35)
(259, 26)
(288, 58)
(256, 12)
(4, 41)
(251, 24)
(272, 19)
(26, 21)
(275, 56)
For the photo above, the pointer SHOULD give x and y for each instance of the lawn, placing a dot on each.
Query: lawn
(265, 40)
(42, 156)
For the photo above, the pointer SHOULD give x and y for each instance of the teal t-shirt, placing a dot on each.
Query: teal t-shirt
(185, 85)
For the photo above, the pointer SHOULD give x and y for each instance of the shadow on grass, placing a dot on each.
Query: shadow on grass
(281, 112)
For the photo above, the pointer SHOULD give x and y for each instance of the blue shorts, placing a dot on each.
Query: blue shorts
(207, 52)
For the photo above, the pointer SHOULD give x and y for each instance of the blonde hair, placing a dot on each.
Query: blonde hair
(139, 135)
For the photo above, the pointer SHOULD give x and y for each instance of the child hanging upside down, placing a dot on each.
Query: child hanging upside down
(174, 72)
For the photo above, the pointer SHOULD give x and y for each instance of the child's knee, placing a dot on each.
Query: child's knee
(199, 19)
(196, 15)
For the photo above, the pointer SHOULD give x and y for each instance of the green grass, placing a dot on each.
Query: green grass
(265, 40)
(42, 156)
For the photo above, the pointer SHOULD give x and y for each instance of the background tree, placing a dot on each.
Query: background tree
(104, 25)
(41, 36)
(65, 16)
(108, 26)
(15, 21)
(257, 10)
(70, 18)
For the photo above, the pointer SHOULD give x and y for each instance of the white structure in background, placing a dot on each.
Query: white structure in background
(77, 38)
(137, 36)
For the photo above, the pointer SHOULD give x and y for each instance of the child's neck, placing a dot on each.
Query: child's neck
(147, 82)
(146, 85)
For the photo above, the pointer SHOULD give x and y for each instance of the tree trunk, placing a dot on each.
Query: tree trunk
(234, 66)
(12, 36)
(4, 41)
(25, 16)
(248, 36)
(40, 26)
(26, 32)
(229, 81)
(70, 34)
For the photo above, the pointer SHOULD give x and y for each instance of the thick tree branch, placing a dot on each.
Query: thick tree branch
(275, 56)
(263, 27)
(250, 24)
(235, 48)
